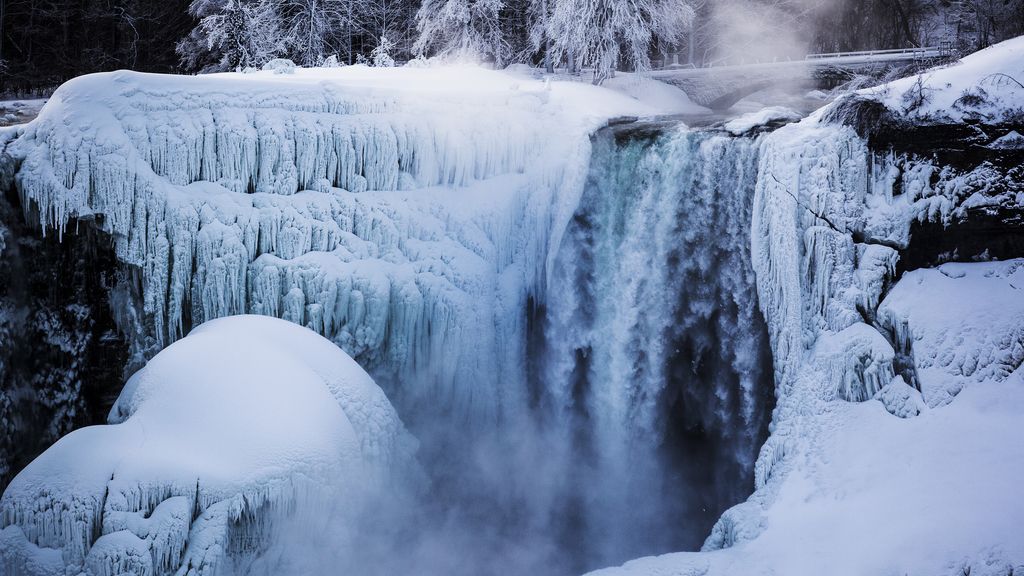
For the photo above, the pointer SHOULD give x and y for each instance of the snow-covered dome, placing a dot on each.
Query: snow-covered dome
(220, 435)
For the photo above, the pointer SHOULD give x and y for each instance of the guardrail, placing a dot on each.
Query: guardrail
(916, 52)
(925, 53)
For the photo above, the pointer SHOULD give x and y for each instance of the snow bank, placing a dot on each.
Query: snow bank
(960, 322)
(986, 86)
(223, 433)
(399, 212)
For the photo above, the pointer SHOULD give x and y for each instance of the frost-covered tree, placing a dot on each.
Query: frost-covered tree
(381, 55)
(462, 27)
(601, 33)
(310, 28)
(233, 34)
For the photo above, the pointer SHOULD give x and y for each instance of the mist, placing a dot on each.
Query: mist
(650, 388)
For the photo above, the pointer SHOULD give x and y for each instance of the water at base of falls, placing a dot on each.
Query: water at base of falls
(650, 378)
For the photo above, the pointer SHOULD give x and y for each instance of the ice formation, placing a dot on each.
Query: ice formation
(222, 434)
(400, 213)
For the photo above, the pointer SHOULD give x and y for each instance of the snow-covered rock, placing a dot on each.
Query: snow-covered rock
(238, 426)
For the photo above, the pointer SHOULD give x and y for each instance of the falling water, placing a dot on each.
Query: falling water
(655, 358)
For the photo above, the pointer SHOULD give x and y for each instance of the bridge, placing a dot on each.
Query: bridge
(725, 82)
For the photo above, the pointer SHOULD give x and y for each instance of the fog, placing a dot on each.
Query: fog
(762, 31)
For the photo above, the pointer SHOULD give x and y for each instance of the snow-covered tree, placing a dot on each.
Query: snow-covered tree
(311, 28)
(381, 55)
(233, 34)
(600, 33)
(462, 27)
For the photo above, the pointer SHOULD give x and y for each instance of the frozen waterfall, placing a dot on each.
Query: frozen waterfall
(516, 286)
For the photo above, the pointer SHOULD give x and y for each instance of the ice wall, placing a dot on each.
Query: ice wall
(403, 228)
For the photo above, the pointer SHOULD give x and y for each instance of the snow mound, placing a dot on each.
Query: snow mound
(932, 312)
(772, 115)
(280, 66)
(221, 435)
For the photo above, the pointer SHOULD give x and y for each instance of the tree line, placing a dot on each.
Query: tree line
(45, 42)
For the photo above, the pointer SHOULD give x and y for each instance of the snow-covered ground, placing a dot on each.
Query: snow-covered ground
(245, 422)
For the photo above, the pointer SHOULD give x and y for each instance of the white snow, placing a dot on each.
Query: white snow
(992, 80)
(963, 323)
(220, 435)
(762, 117)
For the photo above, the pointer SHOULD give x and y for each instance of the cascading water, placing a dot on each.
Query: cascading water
(649, 373)
(656, 357)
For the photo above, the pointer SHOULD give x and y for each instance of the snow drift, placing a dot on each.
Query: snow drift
(220, 437)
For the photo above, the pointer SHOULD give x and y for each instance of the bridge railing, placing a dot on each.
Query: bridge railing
(916, 52)
(925, 53)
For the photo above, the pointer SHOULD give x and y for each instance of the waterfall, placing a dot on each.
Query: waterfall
(609, 408)
(649, 380)
(655, 363)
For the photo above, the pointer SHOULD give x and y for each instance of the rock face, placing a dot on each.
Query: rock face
(220, 439)
(62, 359)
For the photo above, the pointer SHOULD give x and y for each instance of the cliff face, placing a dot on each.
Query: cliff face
(62, 359)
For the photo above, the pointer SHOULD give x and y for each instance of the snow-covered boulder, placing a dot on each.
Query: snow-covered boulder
(224, 434)
(280, 66)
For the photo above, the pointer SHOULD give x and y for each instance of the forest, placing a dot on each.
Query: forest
(46, 42)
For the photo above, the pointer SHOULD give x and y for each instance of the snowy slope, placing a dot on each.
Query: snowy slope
(399, 212)
(246, 421)
(896, 433)
(986, 86)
